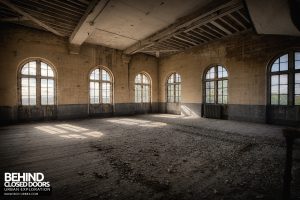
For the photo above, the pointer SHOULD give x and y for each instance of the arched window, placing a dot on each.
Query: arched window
(37, 83)
(284, 79)
(174, 88)
(100, 86)
(142, 88)
(216, 85)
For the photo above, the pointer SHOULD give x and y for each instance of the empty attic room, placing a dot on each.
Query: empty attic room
(150, 100)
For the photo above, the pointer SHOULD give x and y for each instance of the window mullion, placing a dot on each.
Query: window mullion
(100, 86)
(38, 83)
(216, 85)
(291, 78)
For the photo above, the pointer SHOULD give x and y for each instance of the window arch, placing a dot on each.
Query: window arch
(216, 85)
(37, 84)
(284, 79)
(101, 86)
(142, 88)
(174, 88)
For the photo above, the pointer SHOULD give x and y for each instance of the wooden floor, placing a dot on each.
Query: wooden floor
(149, 157)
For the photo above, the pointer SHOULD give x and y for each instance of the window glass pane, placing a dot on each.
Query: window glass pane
(44, 69)
(146, 79)
(225, 74)
(32, 82)
(283, 89)
(32, 91)
(138, 78)
(178, 78)
(275, 67)
(138, 93)
(225, 83)
(220, 84)
(274, 99)
(297, 77)
(95, 75)
(50, 100)
(297, 55)
(274, 80)
(32, 100)
(225, 91)
(220, 99)
(24, 82)
(210, 73)
(284, 66)
(297, 99)
(171, 79)
(105, 75)
(220, 71)
(25, 69)
(50, 83)
(25, 91)
(297, 60)
(284, 58)
(274, 89)
(297, 64)
(44, 100)
(283, 99)
(25, 100)
(43, 82)
(50, 72)
(297, 89)
(225, 99)
(32, 68)
(284, 79)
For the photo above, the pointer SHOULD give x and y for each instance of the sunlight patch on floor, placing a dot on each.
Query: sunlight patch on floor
(70, 131)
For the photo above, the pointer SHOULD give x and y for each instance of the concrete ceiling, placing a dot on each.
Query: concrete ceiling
(272, 17)
(124, 22)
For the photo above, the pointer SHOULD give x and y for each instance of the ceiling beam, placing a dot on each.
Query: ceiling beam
(14, 19)
(161, 51)
(28, 16)
(86, 24)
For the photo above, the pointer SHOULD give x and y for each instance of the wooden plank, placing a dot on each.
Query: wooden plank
(170, 44)
(221, 27)
(209, 33)
(190, 38)
(201, 35)
(185, 40)
(237, 21)
(243, 16)
(178, 42)
(217, 30)
(161, 51)
(25, 14)
(229, 24)
(14, 19)
(57, 16)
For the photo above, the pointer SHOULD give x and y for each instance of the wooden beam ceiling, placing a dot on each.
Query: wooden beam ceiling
(227, 19)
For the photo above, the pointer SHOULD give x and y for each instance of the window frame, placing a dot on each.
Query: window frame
(100, 81)
(291, 72)
(38, 77)
(215, 80)
(142, 84)
(174, 99)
